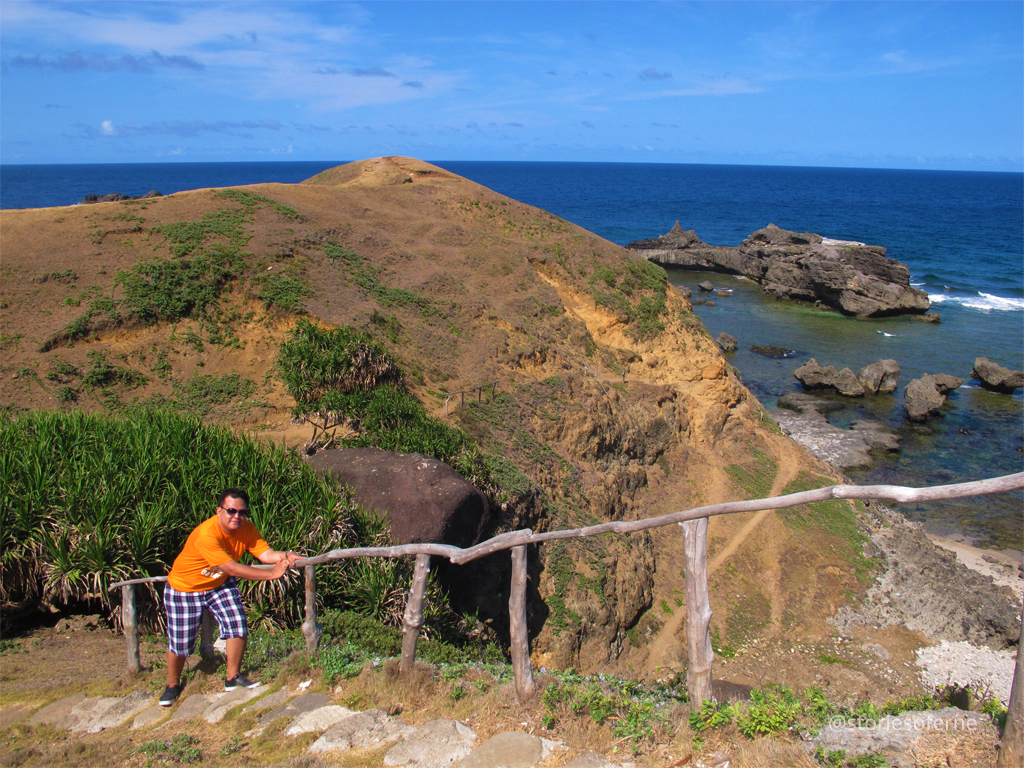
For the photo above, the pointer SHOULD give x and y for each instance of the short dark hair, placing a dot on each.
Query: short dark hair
(236, 493)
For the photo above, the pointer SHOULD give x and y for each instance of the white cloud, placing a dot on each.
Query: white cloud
(107, 128)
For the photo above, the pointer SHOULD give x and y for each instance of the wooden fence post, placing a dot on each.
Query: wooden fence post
(413, 619)
(518, 630)
(130, 619)
(1011, 747)
(310, 629)
(698, 611)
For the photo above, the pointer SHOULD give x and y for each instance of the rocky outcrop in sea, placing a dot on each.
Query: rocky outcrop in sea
(851, 277)
(924, 396)
(996, 378)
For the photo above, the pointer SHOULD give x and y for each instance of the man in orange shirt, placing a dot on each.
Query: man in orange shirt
(204, 576)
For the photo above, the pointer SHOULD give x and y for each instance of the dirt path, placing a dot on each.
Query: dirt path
(719, 492)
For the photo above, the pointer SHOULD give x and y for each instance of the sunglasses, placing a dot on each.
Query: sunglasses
(232, 512)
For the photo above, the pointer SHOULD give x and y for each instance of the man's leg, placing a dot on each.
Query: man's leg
(184, 612)
(235, 650)
(225, 603)
(175, 666)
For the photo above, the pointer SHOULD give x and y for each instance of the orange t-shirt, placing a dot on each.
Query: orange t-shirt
(209, 545)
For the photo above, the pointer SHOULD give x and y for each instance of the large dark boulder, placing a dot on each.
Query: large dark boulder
(993, 376)
(854, 278)
(422, 499)
(924, 396)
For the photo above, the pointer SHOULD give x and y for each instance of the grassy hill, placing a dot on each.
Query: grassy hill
(611, 400)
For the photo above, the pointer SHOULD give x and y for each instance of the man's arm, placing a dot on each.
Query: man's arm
(272, 556)
(236, 569)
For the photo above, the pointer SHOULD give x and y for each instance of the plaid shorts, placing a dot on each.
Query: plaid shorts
(185, 613)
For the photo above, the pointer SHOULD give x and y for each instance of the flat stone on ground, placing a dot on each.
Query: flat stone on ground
(319, 719)
(118, 711)
(192, 708)
(364, 730)
(84, 713)
(510, 749)
(14, 714)
(147, 717)
(295, 707)
(53, 713)
(276, 699)
(437, 744)
(216, 711)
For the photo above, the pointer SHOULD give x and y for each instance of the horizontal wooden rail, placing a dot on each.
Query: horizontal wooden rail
(153, 579)
(693, 522)
(479, 392)
(526, 536)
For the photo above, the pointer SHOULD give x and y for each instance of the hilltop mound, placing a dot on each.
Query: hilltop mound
(612, 401)
(383, 172)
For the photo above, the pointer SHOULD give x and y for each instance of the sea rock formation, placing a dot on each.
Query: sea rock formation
(812, 375)
(993, 376)
(770, 350)
(854, 278)
(881, 376)
(727, 342)
(924, 396)
(116, 197)
(802, 417)
(423, 500)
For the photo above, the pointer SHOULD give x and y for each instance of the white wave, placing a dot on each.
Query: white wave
(885, 334)
(915, 285)
(983, 301)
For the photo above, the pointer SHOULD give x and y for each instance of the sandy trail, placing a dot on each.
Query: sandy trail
(788, 470)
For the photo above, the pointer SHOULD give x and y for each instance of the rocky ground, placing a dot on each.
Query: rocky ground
(66, 698)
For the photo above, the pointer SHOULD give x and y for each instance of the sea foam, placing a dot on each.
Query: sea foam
(983, 301)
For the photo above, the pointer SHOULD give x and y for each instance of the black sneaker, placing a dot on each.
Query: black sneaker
(171, 694)
(240, 681)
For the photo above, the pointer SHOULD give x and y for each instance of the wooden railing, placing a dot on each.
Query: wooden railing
(463, 392)
(694, 524)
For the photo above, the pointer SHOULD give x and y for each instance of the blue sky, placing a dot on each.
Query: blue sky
(935, 85)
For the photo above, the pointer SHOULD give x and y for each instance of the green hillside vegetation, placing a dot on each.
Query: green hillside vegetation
(92, 499)
(100, 498)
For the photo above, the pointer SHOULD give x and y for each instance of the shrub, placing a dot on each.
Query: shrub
(103, 374)
(316, 362)
(202, 393)
(771, 710)
(90, 499)
(169, 290)
(282, 291)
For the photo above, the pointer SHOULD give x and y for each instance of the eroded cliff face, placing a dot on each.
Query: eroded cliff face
(611, 399)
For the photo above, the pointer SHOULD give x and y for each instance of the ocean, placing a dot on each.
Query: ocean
(961, 234)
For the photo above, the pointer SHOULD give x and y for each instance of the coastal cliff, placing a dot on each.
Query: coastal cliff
(612, 401)
(854, 278)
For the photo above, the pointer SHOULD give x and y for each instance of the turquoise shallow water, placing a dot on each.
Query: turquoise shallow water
(978, 435)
